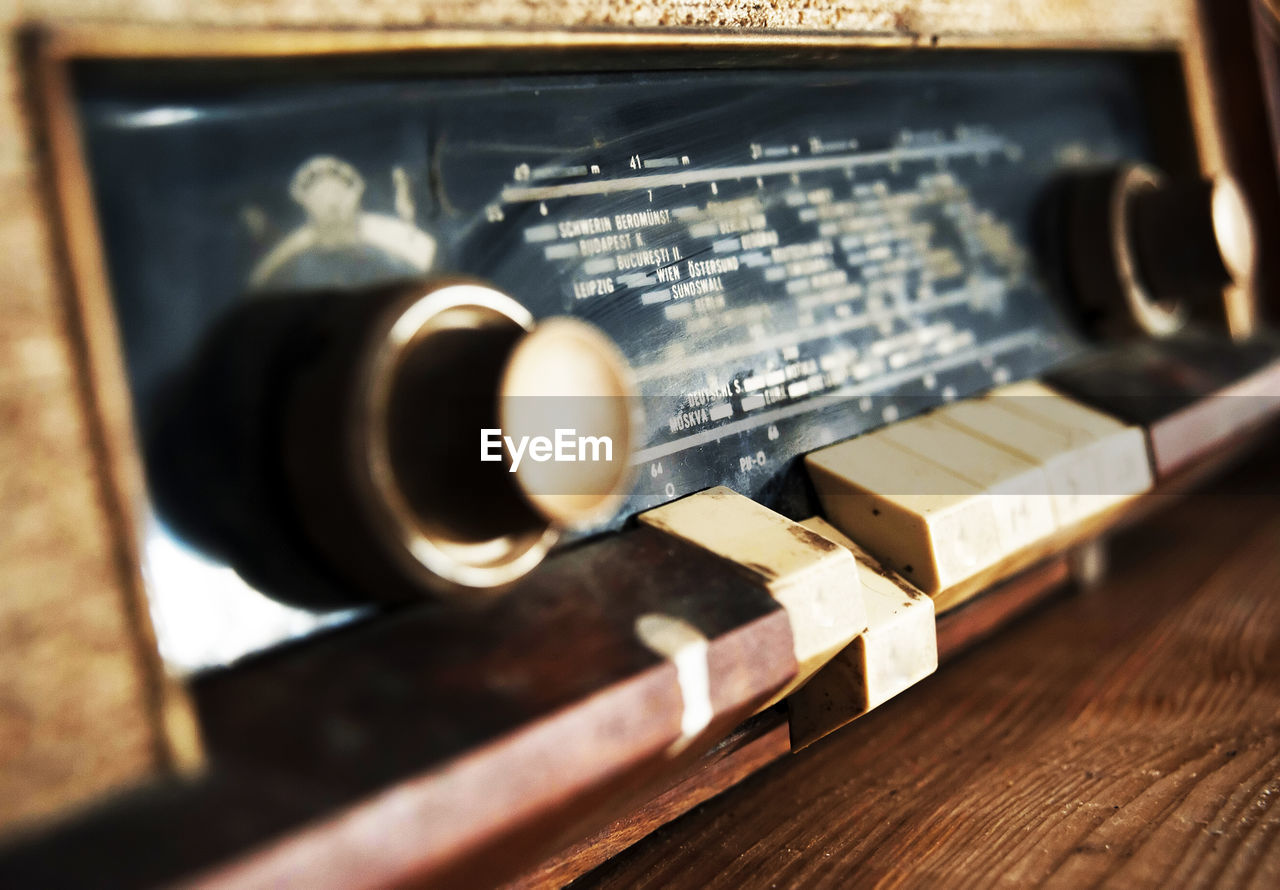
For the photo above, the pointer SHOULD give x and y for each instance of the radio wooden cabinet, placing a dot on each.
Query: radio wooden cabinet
(112, 703)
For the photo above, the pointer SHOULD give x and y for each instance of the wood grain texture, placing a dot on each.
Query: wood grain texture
(767, 736)
(529, 716)
(1128, 737)
(329, 761)
(77, 688)
(1101, 19)
(759, 742)
(445, 747)
(1236, 45)
(76, 709)
(1191, 392)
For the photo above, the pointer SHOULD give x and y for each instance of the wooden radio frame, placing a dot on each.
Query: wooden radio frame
(69, 315)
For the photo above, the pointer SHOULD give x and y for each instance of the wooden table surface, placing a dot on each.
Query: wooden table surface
(1127, 736)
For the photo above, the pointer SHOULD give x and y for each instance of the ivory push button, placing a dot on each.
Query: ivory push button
(1018, 488)
(1071, 473)
(815, 580)
(922, 520)
(898, 649)
(1116, 451)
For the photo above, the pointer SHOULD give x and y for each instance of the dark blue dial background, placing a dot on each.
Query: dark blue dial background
(175, 170)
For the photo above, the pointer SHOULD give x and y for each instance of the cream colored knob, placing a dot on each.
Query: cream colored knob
(567, 391)
(1232, 229)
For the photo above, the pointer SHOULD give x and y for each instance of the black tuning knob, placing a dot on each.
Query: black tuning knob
(329, 446)
(1145, 252)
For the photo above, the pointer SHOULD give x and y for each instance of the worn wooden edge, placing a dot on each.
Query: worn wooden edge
(115, 40)
(1180, 441)
(468, 743)
(333, 850)
(1208, 97)
(757, 743)
(1194, 421)
(107, 407)
(1206, 103)
(766, 737)
(519, 787)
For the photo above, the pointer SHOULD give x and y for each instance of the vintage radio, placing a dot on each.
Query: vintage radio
(434, 438)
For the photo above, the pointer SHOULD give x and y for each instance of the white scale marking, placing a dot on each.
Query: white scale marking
(545, 232)
(995, 347)
(556, 172)
(561, 251)
(978, 146)
(791, 338)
